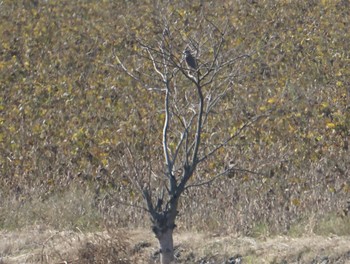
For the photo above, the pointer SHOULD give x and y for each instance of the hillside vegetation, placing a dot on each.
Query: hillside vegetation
(66, 110)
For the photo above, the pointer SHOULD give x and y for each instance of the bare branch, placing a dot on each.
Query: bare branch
(126, 70)
(133, 163)
(212, 103)
(224, 173)
(155, 66)
(208, 181)
(184, 137)
(124, 203)
(165, 134)
(237, 133)
(215, 71)
(147, 197)
(199, 126)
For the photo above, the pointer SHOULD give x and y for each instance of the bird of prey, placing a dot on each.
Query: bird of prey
(190, 60)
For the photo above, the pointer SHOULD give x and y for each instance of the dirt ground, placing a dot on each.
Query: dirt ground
(40, 245)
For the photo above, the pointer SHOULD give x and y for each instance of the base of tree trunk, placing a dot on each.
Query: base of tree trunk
(166, 246)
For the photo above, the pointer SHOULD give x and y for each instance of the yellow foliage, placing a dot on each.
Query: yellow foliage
(263, 108)
(296, 202)
(325, 104)
(272, 100)
(339, 84)
(330, 125)
(58, 63)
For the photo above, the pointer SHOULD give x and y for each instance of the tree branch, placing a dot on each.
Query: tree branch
(223, 174)
(224, 143)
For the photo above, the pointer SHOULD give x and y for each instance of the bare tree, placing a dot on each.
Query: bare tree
(194, 77)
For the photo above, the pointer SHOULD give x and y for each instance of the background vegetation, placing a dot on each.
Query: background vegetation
(66, 112)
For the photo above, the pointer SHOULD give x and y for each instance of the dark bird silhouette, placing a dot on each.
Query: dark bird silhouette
(190, 60)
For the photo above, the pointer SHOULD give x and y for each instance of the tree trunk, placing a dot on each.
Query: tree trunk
(163, 228)
(166, 246)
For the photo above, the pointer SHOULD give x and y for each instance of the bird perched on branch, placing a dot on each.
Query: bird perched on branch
(190, 60)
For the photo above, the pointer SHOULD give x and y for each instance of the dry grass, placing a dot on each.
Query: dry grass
(139, 246)
(48, 246)
(228, 206)
(61, 210)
